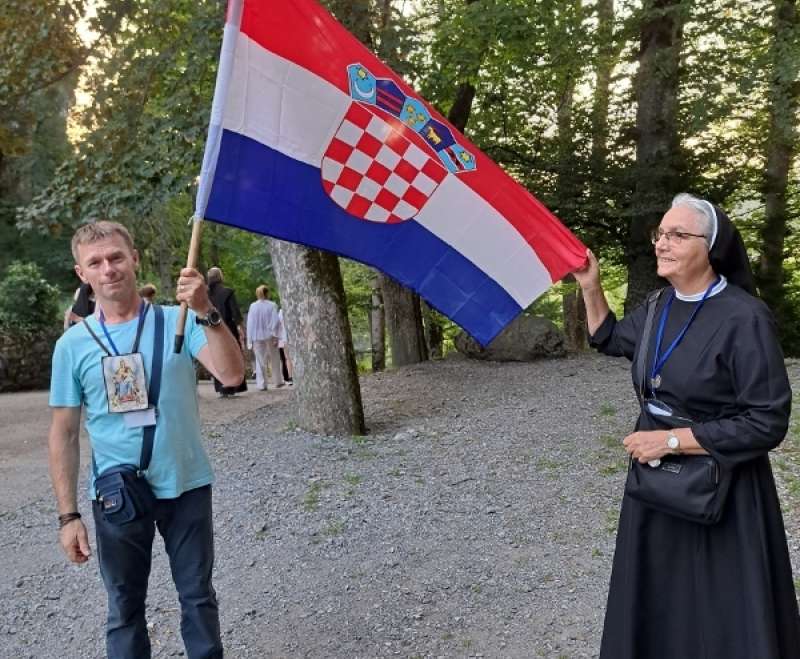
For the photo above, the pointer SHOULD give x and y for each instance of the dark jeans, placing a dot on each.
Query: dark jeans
(124, 553)
(284, 367)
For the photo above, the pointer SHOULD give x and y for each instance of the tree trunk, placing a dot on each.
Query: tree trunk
(658, 160)
(576, 332)
(781, 145)
(357, 17)
(434, 332)
(404, 323)
(568, 194)
(606, 58)
(377, 327)
(326, 380)
(462, 106)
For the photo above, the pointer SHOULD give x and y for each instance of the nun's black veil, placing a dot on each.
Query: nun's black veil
(728, 255)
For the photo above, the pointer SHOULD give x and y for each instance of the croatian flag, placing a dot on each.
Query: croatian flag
(314, 140)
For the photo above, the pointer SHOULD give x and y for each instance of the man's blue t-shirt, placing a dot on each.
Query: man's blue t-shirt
(179, 462)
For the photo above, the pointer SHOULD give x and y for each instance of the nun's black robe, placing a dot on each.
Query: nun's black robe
(686, 591)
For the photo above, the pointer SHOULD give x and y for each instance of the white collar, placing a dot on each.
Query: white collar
(718, 288)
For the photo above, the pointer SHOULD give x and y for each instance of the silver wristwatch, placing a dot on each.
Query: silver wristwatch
(213, 318)
(673, 443)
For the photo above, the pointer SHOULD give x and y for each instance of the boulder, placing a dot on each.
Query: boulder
(526, 339)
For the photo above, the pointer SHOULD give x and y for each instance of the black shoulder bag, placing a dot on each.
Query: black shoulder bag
(693, 487)
(123, 492)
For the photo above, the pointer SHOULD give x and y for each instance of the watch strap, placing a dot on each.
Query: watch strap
(206, 321)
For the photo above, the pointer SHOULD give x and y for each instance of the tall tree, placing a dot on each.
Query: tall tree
(659, 170)
(368, 22)
(40, 47)
(40, 53)
(403, 323)
(458, 115)
(605, 57)
(143, 134)
(784, 92)
(377, 326)
(568, 187)
(312, 295)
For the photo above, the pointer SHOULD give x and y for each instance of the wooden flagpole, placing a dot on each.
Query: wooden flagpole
(191, 262)
(226, 61)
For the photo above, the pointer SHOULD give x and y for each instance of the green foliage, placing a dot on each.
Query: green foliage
(40, 53)
(40, 46)
(534, 65)
(27, 301)
(244, 258)
(357, 279)
(145, 130)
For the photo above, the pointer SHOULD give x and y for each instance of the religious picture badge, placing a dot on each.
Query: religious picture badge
(126, 387)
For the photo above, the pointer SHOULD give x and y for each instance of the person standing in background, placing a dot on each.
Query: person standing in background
(83, 306)
(263, 330)
(224, 299)
(148, 292)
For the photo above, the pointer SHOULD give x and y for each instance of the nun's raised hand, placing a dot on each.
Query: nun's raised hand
(588, 276)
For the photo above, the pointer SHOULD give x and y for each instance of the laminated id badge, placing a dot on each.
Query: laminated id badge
(126, 387)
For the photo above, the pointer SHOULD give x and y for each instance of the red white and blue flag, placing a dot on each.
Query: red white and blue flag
(316, 141)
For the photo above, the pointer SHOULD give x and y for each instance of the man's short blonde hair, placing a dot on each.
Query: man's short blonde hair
(262, 292)
(91, 233)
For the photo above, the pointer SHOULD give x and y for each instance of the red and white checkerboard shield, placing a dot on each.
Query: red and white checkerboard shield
(374, 170)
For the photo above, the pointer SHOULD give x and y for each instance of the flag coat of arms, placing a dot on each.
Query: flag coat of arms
(314, 140)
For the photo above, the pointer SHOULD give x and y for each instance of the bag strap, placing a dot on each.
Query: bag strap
(155, 387)
(154, 390)
(641, 360)
(96, 338)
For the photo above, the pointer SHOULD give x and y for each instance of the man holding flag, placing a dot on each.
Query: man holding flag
(161, 438)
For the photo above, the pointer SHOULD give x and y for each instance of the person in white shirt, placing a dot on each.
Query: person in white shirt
(263, 330)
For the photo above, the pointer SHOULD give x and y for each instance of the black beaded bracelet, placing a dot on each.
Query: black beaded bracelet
(66, 518)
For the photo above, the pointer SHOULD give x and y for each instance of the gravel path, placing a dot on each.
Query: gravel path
(476, 519)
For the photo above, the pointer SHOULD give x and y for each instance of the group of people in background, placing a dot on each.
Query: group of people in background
(265, 333)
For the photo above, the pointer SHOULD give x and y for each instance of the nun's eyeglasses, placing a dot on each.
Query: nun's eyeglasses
(675, 237)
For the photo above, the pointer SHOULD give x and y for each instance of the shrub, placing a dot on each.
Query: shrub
(27, 301)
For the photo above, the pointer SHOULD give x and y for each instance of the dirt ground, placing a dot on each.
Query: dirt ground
(25, 420)
(477, 518)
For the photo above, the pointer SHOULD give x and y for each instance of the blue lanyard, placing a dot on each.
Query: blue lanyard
(658, 362)
(143, 307)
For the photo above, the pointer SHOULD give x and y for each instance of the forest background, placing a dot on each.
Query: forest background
(603, 109)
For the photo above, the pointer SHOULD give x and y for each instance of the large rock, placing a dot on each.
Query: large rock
(524, 340)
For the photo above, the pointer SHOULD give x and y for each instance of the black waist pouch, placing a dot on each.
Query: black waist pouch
(124, 494)
(693, 487)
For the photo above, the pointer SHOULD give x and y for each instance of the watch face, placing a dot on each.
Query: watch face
(214, 317)
(673, 442)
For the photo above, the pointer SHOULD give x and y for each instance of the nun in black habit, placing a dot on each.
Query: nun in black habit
(679, 589)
